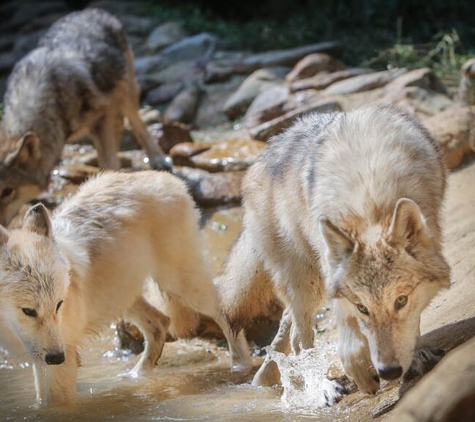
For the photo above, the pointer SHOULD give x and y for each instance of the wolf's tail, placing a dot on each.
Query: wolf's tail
(244, 286)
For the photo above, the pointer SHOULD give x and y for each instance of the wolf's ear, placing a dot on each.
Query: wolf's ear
(26, 150)
(37, 220)
(339, 244)
(408, 227)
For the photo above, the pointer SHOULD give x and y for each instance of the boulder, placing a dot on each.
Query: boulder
(363, 82)
(170, 134)
(26, 42)
(181, 153)
(149, 64)
(78, 173)
(192, 47)
(447, 394)
(454, 131)
(184, 106)
(423, 78)
(325, 79)
(164, 35)
(312, 64)
(420, 101)
(164, 93)
(256, 83)
(229, 155)
(212, 189)
(268, 105)
(136, 25)
(276, 126)
(466, 91)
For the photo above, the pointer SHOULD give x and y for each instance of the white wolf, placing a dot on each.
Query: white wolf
(69, 276)
(346, 204)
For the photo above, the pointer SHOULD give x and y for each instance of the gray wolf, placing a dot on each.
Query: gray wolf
(65, 277)
(79, 82)
(345, 205)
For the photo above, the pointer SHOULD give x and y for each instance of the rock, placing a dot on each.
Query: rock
(175, 72)
(423, 78)
(447, 394)
(229, 155)
(312, 64)
(27, 12)
(256, 83)
(78, 173)
(420, 100)
(302, 98)
(323, 80)
(120, 7)
(150, 116)
(164, 35)
(149, 64)
(246, 64)
(466, 92)
(6, 42)
(90, 160)
(192, 47)
(363, 82)
(164, 93)
(184, 106)
(284, 57)
(212, 189)
(273, 127)
(27, 42)
(8, 60)
(136, 25)
(41, 22)
(170, 134)
(454, 131)
(268, 105)
(182, 153)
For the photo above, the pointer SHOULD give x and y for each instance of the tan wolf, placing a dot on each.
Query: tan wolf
(79, 82)
(66, 277)
(348, 205)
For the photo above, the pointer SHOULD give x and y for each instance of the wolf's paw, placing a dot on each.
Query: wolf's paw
(161, 163)
(425, 359)
(241, 366)
(333, 391)
(267, 375)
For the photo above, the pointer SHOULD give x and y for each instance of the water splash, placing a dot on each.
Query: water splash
(303, 379)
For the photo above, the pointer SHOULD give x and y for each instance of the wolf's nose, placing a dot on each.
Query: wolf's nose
(56, 358)
(390, 372)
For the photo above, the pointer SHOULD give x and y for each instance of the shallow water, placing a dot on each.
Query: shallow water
(191, 382)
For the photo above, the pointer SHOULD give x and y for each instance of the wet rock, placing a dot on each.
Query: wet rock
(90, 160)
(312, 64)
(302, 98)
(78, 173)
(454, 130)
(41, 22)
(325, 79)
(423, 78)
(229, 155)
(192, 47)
(170, 134)
(149, 64)
(363, 82)
(175, 72)
(268, 105)
(182, 153)
(164, 35)
(26, 12)
(212, 189)
(256, 83)
(6, 42)
(273, 127)
(150, 116)
(466, 92)
(447, 394)
(164, 93)
(119, 7)
(184, 106)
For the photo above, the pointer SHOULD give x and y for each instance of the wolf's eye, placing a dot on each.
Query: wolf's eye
(59, 305)
(29, 312)
(6, 192)
(401, 301)
(363, 309)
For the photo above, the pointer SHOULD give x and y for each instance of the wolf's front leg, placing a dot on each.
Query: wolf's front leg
(354, 353)
(268, 374)
(425, 358)
(63, 378)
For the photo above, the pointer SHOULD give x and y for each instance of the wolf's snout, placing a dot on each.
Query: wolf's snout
(54, 358)
(390, 372)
